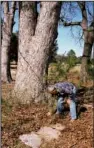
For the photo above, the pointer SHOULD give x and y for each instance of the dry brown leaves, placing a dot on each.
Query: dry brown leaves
(21, 119)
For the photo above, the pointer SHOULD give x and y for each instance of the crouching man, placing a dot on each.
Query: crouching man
(66, 93)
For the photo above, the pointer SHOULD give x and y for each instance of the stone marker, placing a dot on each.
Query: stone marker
(32, 140)
(45, 133)
(48, 133)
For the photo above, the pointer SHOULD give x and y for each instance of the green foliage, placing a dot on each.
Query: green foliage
(71, 59)
(58, 72)
(71, 53)
(78, 60)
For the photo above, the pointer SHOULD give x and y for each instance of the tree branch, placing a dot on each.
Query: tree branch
(82, 6)
(70, 23)
(13, 6)
(89, 12)
(6, 8)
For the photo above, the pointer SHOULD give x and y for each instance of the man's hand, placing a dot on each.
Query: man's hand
(68, 101)
(54, 92)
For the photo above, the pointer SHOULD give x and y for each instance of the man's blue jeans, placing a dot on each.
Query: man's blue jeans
(72, 106)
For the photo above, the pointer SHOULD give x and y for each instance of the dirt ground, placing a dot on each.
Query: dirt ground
(20, 119)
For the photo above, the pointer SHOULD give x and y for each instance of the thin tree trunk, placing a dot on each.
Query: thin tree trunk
(7, 31)
(32, 60)
(85, 61)
(46, 74)
(88, 43)
(89, 40)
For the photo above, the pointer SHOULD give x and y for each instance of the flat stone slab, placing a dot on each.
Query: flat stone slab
(34, 139)
(48, 133)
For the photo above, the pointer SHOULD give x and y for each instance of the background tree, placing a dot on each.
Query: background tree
(7, 26)
(51, 58)
(1, 29)
(32, 60)
(14, 47)
(71, 59)
(87, 27)
(88, 41)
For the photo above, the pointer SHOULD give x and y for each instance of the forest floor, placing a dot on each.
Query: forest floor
(20, 119)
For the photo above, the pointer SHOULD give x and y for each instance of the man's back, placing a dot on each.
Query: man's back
(66, 87)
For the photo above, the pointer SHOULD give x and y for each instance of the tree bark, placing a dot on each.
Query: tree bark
(34, 52)
(88, 43)
(85, 61)
(6, 39)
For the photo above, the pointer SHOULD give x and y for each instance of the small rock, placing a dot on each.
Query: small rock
(48, 114)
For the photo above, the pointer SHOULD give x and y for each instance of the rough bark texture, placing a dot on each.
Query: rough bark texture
(7, 31)
(88, 43)
(85, 61)
(33, 53)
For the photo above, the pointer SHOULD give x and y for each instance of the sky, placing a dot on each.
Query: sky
(66, 41)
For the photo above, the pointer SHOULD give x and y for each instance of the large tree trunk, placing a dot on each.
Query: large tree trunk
(7, 32)
(34, 52)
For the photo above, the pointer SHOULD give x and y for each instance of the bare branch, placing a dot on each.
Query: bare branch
(82, 6)
(70, 23)
(13, 6)
(89, 12)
